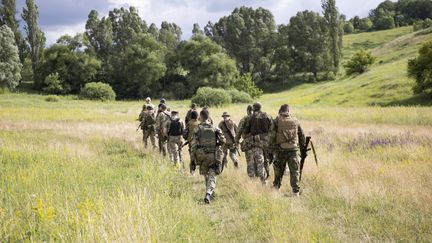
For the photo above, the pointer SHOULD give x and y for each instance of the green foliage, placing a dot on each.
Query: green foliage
(348, 28)
(53, 84)
(239, 96)
(335, 32)
(97, 91)
(245, 83)
(420, 68)
(52, 98)
(251, 49)
(10, 66)
(422, 24)
(359, 63)
(207, 96)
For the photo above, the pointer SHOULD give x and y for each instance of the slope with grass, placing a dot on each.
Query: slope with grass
(386, 83)
(76, 171)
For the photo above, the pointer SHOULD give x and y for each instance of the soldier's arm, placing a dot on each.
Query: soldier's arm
(220, 137)
(301, 137)
(239, 130)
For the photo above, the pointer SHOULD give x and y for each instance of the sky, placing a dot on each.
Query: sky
(60, 17)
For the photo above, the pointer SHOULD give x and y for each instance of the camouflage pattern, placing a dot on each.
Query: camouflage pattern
(175, 143)
(209, 159)
(279, 165)
(251, 166)
(161, 119)
(246, 145)
(229, 129)
(287, 149)
(148, 128)
(188, 133)
(258, 163)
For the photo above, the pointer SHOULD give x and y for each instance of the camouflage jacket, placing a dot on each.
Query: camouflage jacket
(229, 129)
(277, 138)
(195, 144)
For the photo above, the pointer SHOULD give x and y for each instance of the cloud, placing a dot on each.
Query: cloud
(69, 16)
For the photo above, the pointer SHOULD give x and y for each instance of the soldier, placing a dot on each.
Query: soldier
(206, 149)
(148, 127)
(161, 119)
(162, 102)
(188, 132)
(229, 129)
(246, 144)
(260, 127)
(188, 114)
(289, 138)
(148, 103)
(210, 120)
(175, 128)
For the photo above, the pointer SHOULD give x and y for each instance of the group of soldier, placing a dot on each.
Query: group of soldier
(263, 140)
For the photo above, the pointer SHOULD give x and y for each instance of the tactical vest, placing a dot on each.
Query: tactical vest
(191, 127)
(149, 120)
(287, 132)
(175, 128)
(259, 124)
(207, 138)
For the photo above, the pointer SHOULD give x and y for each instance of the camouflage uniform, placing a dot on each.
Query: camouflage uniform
(289, 137)
(147, 125)
(161, 119)
(206, 149)
(188, 133)
(175, 141)
(245, 145)
(229, 129)
(259, 142)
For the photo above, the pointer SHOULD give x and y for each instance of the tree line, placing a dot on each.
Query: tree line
(244, 49)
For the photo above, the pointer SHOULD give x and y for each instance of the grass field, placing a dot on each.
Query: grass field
(76, 170)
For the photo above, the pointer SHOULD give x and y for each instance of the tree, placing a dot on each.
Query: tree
(246, 34)
(206, 64)
(420, 68)
(245, 83)
(7, 16)
(382, 19)
(197, 30)
(359, 63)
(100, 35)
(335, 31)
(10, 65)
(35, 36)
(308, 38)
(170, 35)
(348, 28)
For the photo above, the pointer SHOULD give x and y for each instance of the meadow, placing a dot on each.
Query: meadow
(76, 171)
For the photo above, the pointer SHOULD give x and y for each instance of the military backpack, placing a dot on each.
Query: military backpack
(175, 128)
(286, 134)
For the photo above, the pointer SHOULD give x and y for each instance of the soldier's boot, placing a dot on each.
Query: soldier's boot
(207, 198)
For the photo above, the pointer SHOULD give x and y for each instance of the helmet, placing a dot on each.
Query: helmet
(163, 101)
(148, 99)
(256, 106)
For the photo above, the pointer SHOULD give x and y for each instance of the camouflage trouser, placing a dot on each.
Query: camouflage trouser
(258, 160)
(232, 154)
(290, 158)
(208, 163)
(251, 166)
(149, 134)
(162, 141)
(174, 145)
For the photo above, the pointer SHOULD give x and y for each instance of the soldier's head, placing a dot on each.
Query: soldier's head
(162, 101)
(163, 107)
(174, 113)
(256, 106)
(226, 116)
(249, 109)
(204, 115)
(284, 110)
(193, 106)
(194, 115)
(150, 109)
(148, 100)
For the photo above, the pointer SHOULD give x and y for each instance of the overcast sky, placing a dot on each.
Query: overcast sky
(59, 17)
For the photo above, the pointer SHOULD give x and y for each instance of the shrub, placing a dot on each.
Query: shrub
(422, 24)
(97, 91)
(420, 68)
(53, 84)
(52, 98)
(211, 97)
(239, 96)
(359, 63)
(245, 83)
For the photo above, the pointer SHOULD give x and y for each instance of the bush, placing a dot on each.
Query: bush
(211, 97)
(348, 28)
(422, 24)
(52, 98)
(53, 84)
(359, 63)
(245, 83)
(420, 68)
(97, 91)
(239, 96)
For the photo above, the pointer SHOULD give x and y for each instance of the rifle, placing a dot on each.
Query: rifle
(304, 151)
(138, 127)
(184, 144)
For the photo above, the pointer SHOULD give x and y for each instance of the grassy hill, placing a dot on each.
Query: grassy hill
(76, 171)
(386, 83)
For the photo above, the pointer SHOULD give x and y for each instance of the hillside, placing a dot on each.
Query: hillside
(386, 83)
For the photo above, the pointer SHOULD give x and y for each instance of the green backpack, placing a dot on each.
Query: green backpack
(207, 138)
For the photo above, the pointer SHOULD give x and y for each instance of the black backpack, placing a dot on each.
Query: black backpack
(260, 125)
(175, 128)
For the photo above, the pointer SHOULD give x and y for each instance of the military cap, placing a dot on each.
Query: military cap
(148, 99)
(256, 106)
(162, 101)
(225, 114)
